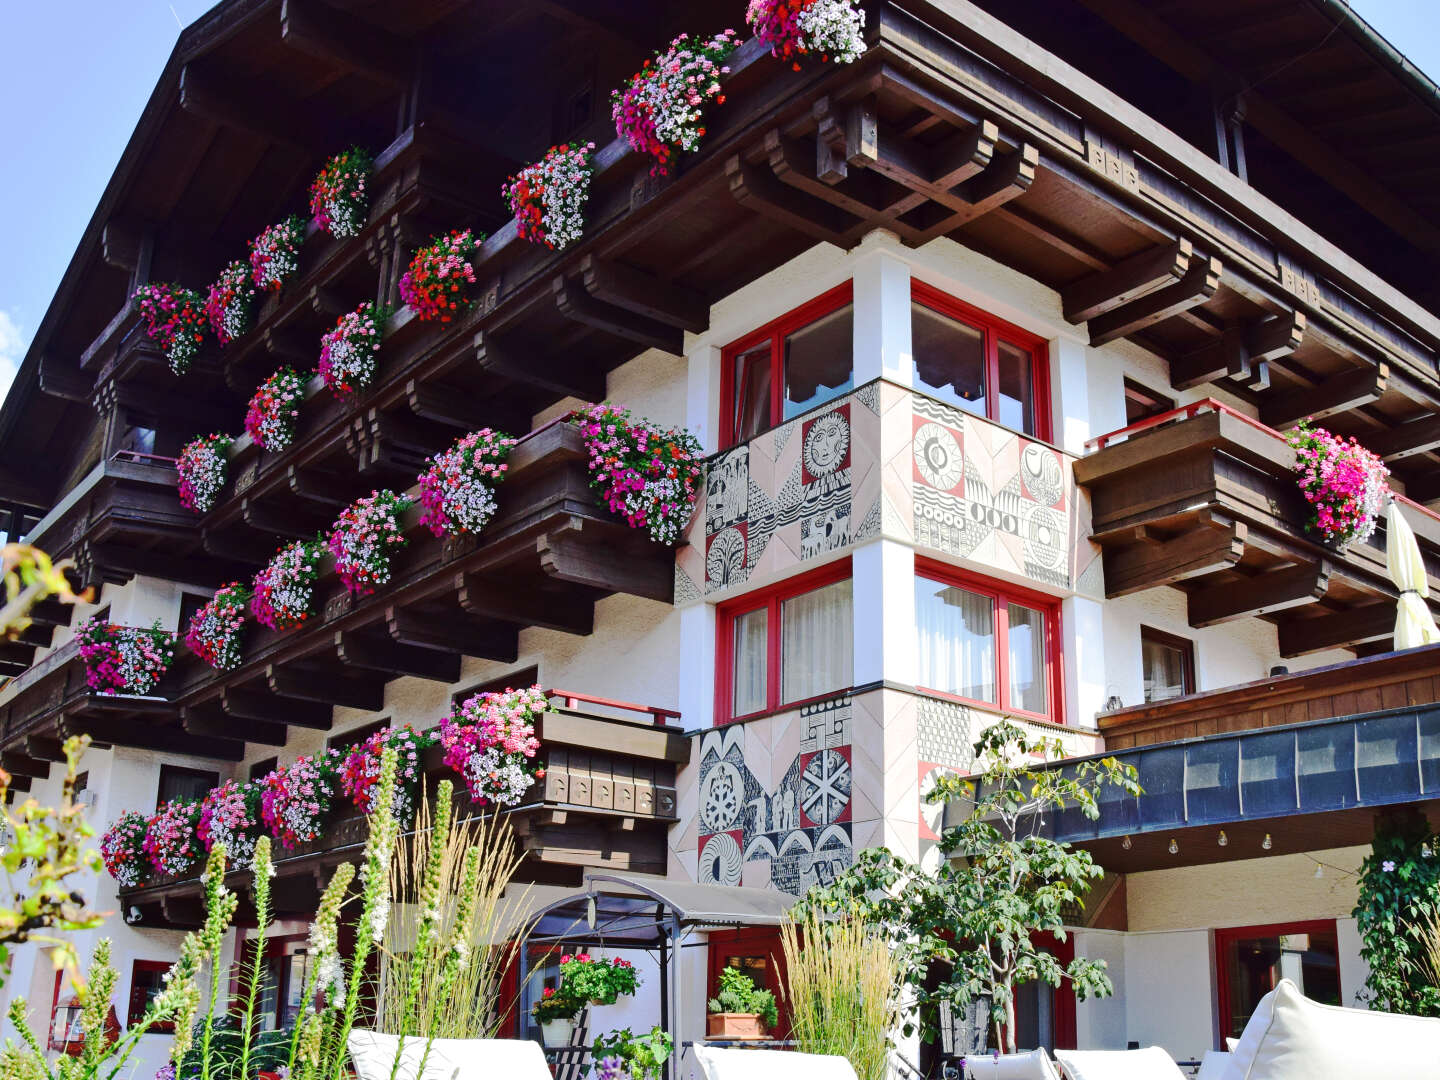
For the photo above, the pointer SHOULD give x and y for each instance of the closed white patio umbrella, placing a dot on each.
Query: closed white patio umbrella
(1414, 625)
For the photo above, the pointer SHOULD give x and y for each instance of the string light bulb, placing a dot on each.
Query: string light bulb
(1174, 847)
(1319, 871)
(1127, 843)
(1266, 843)
(1222, 840)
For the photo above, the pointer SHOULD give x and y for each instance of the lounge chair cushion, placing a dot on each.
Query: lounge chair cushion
(373, 1054)
(739, 1064)
(1152, 1063)
(1034, 1065)
(1290, 1036)
(1214, 1066)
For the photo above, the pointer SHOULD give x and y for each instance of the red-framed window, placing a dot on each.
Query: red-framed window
(758, 953)
(147, 979)
(802, 359)
(787, 645)
(978, 363)
(986, 642)
(1251, 960)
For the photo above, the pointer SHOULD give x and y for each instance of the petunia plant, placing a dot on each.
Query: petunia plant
(661, 108)
(295, 801)
(548, 198)
(174, 319)
(437, 283)
(275, 253)
(203, 465)
(171, 839)
(123, 849)
(350, 351)
(364, 538)
(1344, 483)
(124, 659)
(230, 301)
(275, 408)
(490, 740)
(831, 29)
(284, 595)
(457, 491)
(216, 630)
(647, 474)
(360, 775)
(230, 815)
(339, 194)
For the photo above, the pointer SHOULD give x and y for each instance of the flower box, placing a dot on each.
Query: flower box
(734, 1026)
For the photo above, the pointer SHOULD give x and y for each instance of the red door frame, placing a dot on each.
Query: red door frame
(1064, 994)
(755, 941)
(1225, 936)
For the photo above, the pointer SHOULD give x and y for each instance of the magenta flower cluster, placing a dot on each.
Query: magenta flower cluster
(295, 800)
(216, 630)
(229, 302)
(275, 253)
(124, 659)
(202, 466)
(349, 353)
(648, 475)
(457, 491)
(361, 772)
(1344, 483)
(660, 109)
(274, 409)
(171, 838)
(831, 29)
(230, 815)
(363, 538)
(490, 740)
(436, 284)
(174, 319)
(122, 849)
(285, 590)
(548, 198)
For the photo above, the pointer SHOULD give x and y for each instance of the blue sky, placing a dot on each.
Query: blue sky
(77, 76)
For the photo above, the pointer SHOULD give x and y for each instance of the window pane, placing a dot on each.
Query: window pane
(1017, 388)
(1165, 666)
(816, 648)
(956, 640)
(818, 362)
(752, 392)
(184, 785)
(1253, 966)
(1026, 643)
(949, 358)
(750, 638)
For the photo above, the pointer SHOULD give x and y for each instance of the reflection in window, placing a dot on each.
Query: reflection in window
(1169, 665)
(819, 362)
(817, 653)
(957, 640)
(1252, 965)
(949, 358)
(1027, 658)
(751, 642)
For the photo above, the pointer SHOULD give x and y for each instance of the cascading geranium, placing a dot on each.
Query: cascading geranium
(215, 631)
(203, 464)
(275, 253)
(548, 198)
(338, 195)
(124, 659)
(360, 776)
(457, 491)
(171, 839)
(436, 284)
(231, 299)
(660, 109)
(295, 800)
(647, 474)
(230, 815)
(1344, 483)
(274, 409)
(349, 354)
(284, 595)
(489, 739)
(123, 849)
(174, 319)
(831, 29)
(364, 537)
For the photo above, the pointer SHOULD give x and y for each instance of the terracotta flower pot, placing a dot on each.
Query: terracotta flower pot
(734, 1026)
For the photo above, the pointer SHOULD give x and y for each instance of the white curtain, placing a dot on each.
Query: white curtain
(817, 642)
(750, 641)
(1026, 640)
(956, 640)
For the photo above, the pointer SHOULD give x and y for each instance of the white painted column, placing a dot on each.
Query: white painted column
(882, 311)
(697, 665)
(702, 396)
(1083, 627)
(1069, 395)
(884, 611)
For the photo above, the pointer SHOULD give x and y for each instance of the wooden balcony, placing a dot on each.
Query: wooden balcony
(1204, 499)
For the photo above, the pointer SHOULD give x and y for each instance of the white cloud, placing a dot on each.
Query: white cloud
(13, 343)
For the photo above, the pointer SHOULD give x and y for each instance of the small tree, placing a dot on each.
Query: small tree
(1001, 881)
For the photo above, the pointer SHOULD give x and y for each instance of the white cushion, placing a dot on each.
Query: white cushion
(1214, 1065)
(1291, 1036)
(738, 1064)
(1152, 1063)
(1034, 1065)
(373, 1054)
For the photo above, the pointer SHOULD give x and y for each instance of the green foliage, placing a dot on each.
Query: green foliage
(1397, 910)
(644, 1055)
(601, 981)
(232, 1057)
(739, 994)
(1001, 881)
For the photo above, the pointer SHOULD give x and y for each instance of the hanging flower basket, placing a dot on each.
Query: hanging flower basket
(203, 464)
(124, 659)
(123, 850)
(216, 630)
(349, 354)
(601, 982)
(831, 29)
(364, 537)
(489, 739)
(230, 815)
(437, 283)
(648, 475)
(295, 800)
(274, 410)
(1344, 483)
(229, 305)
(660, 109)
(171, 839)
(361, 773)
(548, 198)
(275, 253)
(457, 491)
(175, 320)
(338, 195)
(284, 594)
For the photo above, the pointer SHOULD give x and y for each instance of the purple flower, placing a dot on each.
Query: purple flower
(1388, 866)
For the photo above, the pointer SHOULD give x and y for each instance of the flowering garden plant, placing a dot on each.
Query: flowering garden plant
(647, 474)
(436, 280)
(338, 198)
(360, 776)
(123, 849)
(228, 306)
(548, 198)
(274, 409)
(230, 815)
(1343, 482)
(349, 352)
(601, 982)
(202, 466)
(285, 590)
(275, 253)
(124, 659)
(295, 800)
(833, 29)
(661, 107)
(556, 1004)
(489, 739)
(171, 839)
(214, 633)
(175, 320)
(363, 538)
(457, 491)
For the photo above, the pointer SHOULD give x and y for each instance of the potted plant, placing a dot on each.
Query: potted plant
(741, 1010)
(638, 1057)
(555, 1012)
(600, 982)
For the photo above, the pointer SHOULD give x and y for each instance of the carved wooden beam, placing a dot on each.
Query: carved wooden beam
(452, 635)
(644, 294)
(375, 654)
(1264, 594)
(1007, 177)
(52, 613)
(1126, 281)
(319, 489)
(1339, 393)
(556, 375)
(567, 556)
(43, 748)
(62, 380)
(329, 34)
(244, 704)
(349, 691)
(1342, 629)
(1196, 286)
(1240, 352)
(218, 724)
(1216, 544)
(1407, 439)
(296, 522)
(579, 306)
(492, 599)
(445, 405)
(252, 109)
(19, 764)
(127, 732)
(823, 173)
(758, 190)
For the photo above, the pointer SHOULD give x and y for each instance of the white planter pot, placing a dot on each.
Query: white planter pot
(557, 1032)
